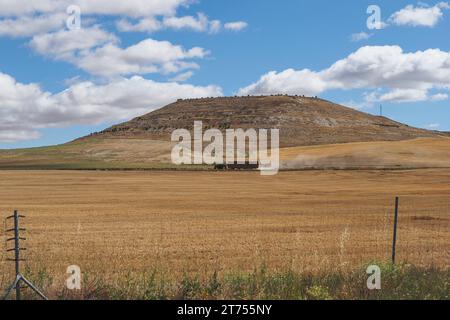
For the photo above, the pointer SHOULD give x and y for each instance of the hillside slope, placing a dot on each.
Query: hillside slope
(416, 153)
(302, 121)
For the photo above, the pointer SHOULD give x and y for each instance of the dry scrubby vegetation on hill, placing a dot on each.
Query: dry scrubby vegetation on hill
(302, 121)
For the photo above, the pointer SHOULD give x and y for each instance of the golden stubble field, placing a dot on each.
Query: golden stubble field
(198, 222)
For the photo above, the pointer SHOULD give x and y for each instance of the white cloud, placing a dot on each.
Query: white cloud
(23, 7)
(67, 44)
(147, 56)
(97, 52)
(199, 23)
(26, 108)
(439, 97)
(25, 18)
(406, 76)
(150, 24)
(132, 8)
(16, 100)
(11, 136)
(126, 97)
(289, 81)
(419, 16)
(360, 36)
(236, 26)
(399, 95)
(26, 26)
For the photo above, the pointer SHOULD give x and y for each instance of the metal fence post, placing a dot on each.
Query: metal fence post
(19, 277)
(17, 251)
(394, 241)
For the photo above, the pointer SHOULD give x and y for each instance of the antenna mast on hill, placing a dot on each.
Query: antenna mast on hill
(381, 110)
(17, 249)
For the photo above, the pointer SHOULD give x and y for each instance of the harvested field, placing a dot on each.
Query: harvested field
(199, 222)
(416, 153)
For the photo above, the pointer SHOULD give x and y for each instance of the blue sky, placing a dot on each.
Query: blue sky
(57, 84)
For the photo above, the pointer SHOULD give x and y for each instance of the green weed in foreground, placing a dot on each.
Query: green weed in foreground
(398, 282)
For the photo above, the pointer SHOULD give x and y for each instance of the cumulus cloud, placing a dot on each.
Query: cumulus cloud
(398, 95)
(132, 8)
(16, 99)
(22, 7)
(405, 95)
(439, 97)
(405, 76)
(236, 26)
(150, 24)
(26, 26)
(11, 136)
(22, 18)
(68, 44)
(147, 56)
(289, 81)
(419, 16)
(98, 53)
(201, 23)
(26, 108)
(198, 23)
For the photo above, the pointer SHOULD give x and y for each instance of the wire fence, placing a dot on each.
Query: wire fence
(307, 239)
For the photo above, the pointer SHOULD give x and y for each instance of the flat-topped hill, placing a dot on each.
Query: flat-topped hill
(302, 121)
